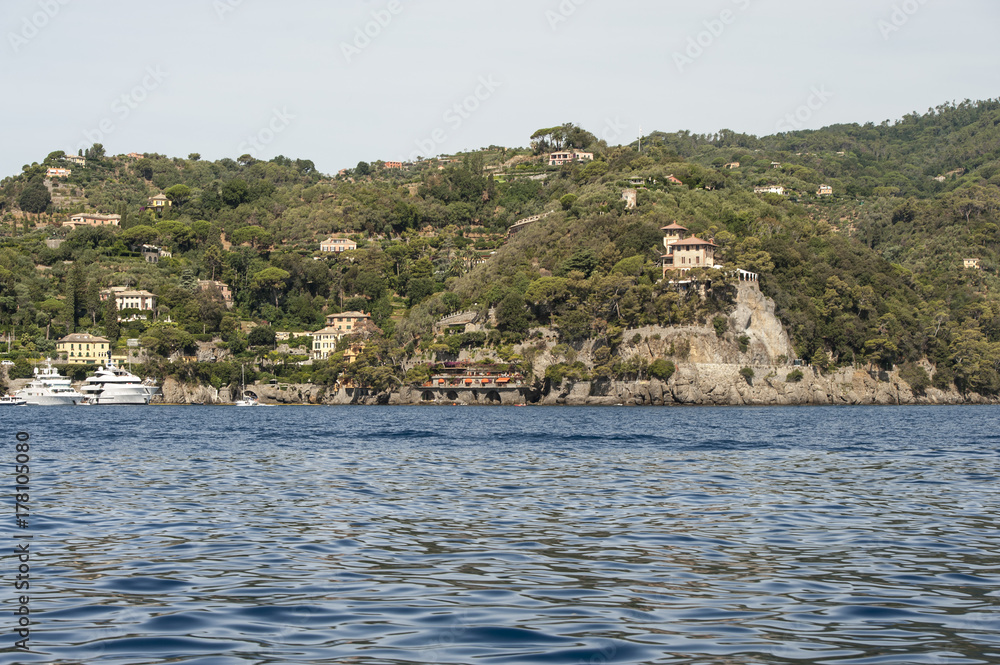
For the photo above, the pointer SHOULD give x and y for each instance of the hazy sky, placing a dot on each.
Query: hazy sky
(304, 80)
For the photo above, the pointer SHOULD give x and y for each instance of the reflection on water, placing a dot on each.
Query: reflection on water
(470, 535)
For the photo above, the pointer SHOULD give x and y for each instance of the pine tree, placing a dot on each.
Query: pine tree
(93, 300)
(111, 328)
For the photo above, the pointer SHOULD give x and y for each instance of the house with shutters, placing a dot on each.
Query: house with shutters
(684, 253)
(83, 349)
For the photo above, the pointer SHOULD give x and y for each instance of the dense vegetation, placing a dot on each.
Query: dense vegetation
(871, 276)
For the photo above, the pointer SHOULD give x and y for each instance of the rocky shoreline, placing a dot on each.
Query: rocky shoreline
(691, 385)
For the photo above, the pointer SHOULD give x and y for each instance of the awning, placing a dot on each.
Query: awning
(441, 381)
(467, 381)
(503, 380)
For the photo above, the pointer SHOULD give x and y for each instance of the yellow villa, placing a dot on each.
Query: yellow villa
(81, 348)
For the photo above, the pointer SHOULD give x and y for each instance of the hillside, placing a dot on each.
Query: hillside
(870, 274)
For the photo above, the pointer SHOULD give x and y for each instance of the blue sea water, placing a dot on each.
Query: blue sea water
(213, 535)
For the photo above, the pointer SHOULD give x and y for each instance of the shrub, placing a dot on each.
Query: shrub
(916, 377)
(560, 371)
(944, 378)
(721, 324)
(747, 373)
(794, 376)
(744, 343)
(661, 369)
(820, 359)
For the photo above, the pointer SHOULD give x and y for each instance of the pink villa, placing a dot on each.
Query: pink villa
(685, 253)
(92, 219)
(567, 156)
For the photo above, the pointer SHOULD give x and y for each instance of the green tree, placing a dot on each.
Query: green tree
(178, 194)
(274, 279)
(112, 328)
(93, 300)
(35, 198)
(512, 314)
(262, 336)
(213, 260)
(141, 234)
(256, 236)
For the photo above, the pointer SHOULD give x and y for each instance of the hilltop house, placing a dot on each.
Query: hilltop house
(325, 342)
(338, 326)
(684, 253)
(824, 190)
(75, 159)
(222, 287)
(567, 156)
(337, 245)
(57, 172)
(732, 165)
(671, 180)
(90, 219)
(770, 189)
(347, 322)
(970, 264)
(126, 298)
(159, 202)
(81, 348)
(153, 254)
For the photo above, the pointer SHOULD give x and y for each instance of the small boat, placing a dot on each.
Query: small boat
(247, 398)
(10, 400)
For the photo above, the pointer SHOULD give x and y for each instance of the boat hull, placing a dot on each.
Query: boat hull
(52, 400)
(123, 399)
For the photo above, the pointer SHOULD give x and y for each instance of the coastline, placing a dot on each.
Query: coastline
(691, 385)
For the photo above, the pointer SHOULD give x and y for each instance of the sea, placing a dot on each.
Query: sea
(391, 535)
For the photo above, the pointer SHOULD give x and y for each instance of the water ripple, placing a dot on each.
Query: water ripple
(405, 535)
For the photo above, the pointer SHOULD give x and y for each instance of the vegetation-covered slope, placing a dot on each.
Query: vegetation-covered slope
(872, 275)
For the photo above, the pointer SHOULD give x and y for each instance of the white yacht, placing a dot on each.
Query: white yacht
(49, 388)
(10, 400)
(115, 385)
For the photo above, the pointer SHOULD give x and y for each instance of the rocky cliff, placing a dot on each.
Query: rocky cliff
(708, 372)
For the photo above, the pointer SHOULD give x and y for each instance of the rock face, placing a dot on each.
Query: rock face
(722, 385)
(175, 392)
(708, 372)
